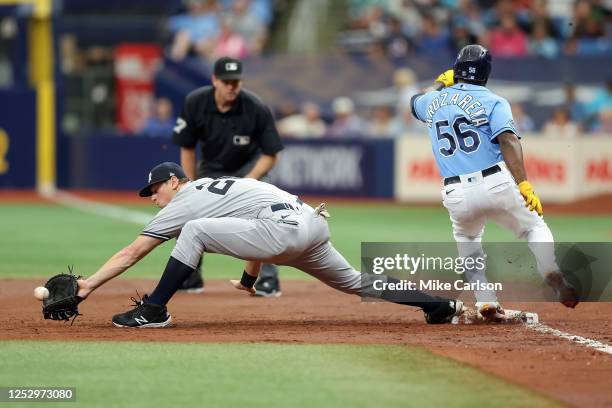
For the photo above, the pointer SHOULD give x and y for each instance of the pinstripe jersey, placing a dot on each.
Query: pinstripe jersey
(207, 198)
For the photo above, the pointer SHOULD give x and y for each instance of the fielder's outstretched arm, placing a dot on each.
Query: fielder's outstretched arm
(118, 263)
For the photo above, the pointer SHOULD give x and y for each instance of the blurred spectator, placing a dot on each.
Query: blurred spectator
(469, 16)
(371, 18)
(407, 14)
(588, 21)
(161, 123)
(540, 16)
(346, 122)
(242, 20)
(227, 44)
(492, 13)
(560, 126)
(509, 40)
(571, 46)
(604, 126)
(285, 109)
(576, 108)
(405, 123)
(396, 44)
(462, 37)
(380, 125)
(542, 44)
(194, 29)
(517, 27)
(262, 9)
(560, 9)
(365, 13)
(434, 39)
(522, 121)
(405, 81)
(306, 124)
(602, 101)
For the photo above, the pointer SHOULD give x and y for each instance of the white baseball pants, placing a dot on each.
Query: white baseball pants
(477, 199)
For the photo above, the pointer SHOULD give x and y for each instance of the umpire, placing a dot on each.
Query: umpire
(237, 136)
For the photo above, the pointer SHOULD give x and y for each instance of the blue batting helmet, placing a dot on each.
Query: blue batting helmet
(473, 64)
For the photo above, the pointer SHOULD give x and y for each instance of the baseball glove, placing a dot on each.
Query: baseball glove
(62, 302)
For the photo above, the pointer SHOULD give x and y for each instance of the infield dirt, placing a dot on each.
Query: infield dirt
(309, 312)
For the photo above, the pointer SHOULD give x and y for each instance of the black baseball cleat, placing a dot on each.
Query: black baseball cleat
(566, 293)
(445, 312)
(143, 315)
(268, 287)
(194, 283)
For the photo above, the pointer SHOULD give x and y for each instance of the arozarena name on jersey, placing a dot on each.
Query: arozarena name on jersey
(472, 107)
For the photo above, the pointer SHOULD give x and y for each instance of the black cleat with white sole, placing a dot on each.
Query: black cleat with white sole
(143, 315)
(194, 283)
(267, 287)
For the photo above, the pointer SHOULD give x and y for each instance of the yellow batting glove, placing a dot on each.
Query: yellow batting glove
(447, 78)
(532, 201)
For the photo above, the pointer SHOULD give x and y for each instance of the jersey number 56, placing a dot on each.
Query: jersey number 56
(468, 139)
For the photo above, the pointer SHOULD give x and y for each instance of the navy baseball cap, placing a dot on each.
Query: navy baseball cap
(159, 173)
(227, 68)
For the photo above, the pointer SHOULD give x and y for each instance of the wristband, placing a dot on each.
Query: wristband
(247, 280)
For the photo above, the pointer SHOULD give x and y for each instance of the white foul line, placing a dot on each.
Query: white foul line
(105, 210)
(594, 344)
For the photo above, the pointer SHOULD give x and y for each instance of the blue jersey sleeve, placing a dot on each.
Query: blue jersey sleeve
(501, 119)
(419, 103)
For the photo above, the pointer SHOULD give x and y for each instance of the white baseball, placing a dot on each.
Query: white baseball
(41, 293)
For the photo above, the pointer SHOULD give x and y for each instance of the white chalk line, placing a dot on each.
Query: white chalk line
(142, 218)
(594, 344)
(105, 210)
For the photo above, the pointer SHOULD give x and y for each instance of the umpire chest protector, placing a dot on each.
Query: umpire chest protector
(228, 140)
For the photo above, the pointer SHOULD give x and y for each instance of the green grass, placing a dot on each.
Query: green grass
(254, 375)
(40, 240)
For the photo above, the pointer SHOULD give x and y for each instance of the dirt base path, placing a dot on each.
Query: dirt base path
(309, 312)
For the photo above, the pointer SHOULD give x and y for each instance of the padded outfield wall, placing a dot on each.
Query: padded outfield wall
(562, 170)
(404, 169)
(17, 139)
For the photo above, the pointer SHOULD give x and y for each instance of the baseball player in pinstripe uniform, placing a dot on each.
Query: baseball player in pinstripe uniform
(246, 219)
(478, 152)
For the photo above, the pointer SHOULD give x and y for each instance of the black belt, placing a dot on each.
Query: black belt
(485, 173)
(284, 206)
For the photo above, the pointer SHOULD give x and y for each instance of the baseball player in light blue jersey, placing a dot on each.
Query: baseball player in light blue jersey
(479, 155)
